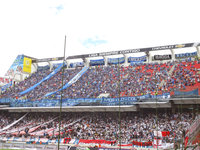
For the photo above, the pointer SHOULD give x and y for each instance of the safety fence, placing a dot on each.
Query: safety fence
(104, 101)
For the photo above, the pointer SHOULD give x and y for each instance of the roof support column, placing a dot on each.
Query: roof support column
(126, 59)
(50, 65)
(86, 62)
(148, 57)
(173, 54)
(106, 60)
(198, 51)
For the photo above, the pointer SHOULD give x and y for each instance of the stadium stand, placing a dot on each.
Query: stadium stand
(158, 100)
(83, 127)
(136, 80)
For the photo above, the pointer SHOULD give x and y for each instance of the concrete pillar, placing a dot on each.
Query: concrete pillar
(106, 60)
(50, 65)
(198, 51)
(147, 57)
(126, 59)
(86, 62)
(173, 54)
(150, 58)
(68, 63)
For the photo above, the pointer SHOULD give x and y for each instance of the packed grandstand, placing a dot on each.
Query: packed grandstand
(161, 92)
(84, 128)
(135, 80)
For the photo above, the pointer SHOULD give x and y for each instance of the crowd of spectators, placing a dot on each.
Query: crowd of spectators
(185, 74)
(34, 78)
(135, 80)
(132, 80)
(137, 126)
(51, 85)
(6, 119)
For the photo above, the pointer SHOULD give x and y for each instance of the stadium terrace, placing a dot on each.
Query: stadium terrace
(131, 99)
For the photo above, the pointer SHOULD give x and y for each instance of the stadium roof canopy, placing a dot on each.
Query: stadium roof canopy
(128, 51)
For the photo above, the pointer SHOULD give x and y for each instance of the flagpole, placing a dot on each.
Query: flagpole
(157, 117)
(119, 105)
(60, 113)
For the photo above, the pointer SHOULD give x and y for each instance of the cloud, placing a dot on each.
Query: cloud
(57, 9)
(93, 42)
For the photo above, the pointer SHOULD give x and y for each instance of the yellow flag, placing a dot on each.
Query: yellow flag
(27, 65)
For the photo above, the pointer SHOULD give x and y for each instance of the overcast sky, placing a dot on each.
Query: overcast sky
(37, 27)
